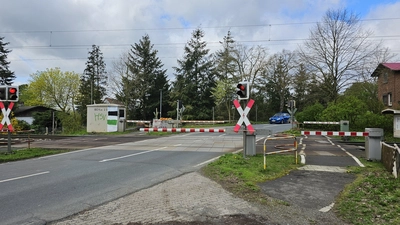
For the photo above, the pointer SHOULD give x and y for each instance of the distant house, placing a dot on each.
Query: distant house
(112, 101)
(26, 112)
(388, 84)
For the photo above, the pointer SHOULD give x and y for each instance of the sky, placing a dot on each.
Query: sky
(44, 34)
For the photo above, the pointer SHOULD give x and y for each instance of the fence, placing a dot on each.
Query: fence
(391, 158)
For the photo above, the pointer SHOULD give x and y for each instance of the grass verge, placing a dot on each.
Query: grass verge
(241, 175)
(26, 154)
(373, 198)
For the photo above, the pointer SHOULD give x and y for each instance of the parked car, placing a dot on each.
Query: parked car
(280, 118)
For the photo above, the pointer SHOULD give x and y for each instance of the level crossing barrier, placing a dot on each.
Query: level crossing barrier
(320, 122)
(284, 147)
(183, 130)
(138, 121)
(203, 121)
(335, 133)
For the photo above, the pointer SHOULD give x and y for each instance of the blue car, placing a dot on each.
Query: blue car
(280, 118)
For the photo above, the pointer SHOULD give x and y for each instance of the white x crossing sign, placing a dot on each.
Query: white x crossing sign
(6, 113)
(243, 116)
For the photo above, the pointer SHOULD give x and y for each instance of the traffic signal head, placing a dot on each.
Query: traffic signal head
(3, 94)
(12, 94)
(243, 90)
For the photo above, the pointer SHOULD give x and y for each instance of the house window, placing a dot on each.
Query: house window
(385, 77)
(387, 99)
(122, 113)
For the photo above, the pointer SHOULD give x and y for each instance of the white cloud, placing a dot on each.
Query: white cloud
(59, 33)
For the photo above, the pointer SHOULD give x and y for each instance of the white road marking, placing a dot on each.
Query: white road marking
(208, 161)
(352, 156)
(22, 177)
(126, 156)
(213, 159)
(327, 208)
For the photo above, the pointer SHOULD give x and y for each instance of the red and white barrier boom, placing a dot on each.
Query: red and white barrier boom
(335, 133)
(204, 130)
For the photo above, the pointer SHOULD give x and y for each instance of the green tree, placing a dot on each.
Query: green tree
(195, 79)
(41, 120)
(223, 94)
(310, 113)
(52, 88)
(145, 81)
(301, 87)
(226, 64)
(93, 82)
(226, 68)
(279, 77)
(346, 108)
(6, 76)
(367, 92)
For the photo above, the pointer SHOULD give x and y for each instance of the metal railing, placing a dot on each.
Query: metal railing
(284, 147)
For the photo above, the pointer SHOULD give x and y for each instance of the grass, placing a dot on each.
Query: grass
(242, 175)
(373, 198)
(26, 154)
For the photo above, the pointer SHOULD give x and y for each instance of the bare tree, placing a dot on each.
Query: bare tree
(336, 50)
(370, 64)
(118, 71)
(251, 62)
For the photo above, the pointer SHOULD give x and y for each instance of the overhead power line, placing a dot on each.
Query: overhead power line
(177, 28)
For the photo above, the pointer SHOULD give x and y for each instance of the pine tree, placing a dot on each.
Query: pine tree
(195, 79)
(226, 68)
(93, 82)
(6, 76)
(225, 60)
(145, 82)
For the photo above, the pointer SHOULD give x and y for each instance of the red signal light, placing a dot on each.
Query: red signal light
(241, 87)
(243, 90)
(12, 90)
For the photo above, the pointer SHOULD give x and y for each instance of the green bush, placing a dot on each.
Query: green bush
(310, 113)
(23, 125)
(71, 123)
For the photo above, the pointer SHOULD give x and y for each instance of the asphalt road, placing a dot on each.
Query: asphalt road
(49, 188)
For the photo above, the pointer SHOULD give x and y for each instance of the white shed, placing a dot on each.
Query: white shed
(106, 118)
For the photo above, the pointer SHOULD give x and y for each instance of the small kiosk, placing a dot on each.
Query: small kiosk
(106, 118)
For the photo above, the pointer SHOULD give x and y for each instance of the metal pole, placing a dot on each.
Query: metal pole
(177, 110)
(213, 114)
(52, 130)
(160, 102)
(9, 141)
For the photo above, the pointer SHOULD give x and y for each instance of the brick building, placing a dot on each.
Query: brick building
(388, 84)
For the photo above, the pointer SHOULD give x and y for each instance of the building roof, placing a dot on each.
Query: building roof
(391, 66)
(22, 109)
(112, 101)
